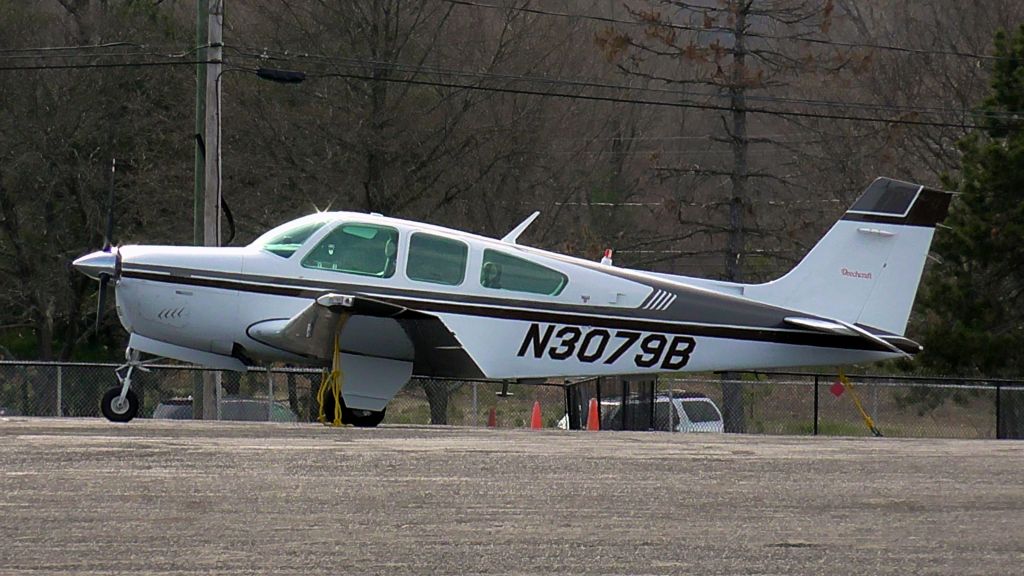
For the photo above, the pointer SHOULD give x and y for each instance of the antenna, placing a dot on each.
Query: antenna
(512, 236)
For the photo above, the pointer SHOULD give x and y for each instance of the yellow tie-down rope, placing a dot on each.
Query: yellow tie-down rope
(331, 384)
(856, 400)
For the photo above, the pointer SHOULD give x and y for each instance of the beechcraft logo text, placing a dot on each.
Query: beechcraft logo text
(856, 274)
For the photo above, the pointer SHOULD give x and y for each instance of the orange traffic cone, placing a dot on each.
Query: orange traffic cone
(492, 418)
(593, 418)
(535, 421)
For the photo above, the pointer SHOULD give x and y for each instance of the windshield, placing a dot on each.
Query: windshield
(287, 238)
(700, 411)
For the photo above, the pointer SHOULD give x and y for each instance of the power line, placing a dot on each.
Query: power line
(65, 48)
(102, 65)
(555, 82)
(578, 83)
(575, 83)
(691, 28)
(535, 79)
(583, 83)
(73, 57)
(50, 52)
(693, 105)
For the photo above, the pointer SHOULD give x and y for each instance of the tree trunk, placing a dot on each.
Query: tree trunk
(1011, 415)
(373, 187)
(437, 396)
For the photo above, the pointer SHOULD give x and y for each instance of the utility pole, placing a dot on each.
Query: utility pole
(200, 167)
(212, 166)
(215, 56)
(735, 258)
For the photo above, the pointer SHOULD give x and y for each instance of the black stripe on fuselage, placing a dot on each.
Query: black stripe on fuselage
(526, 311)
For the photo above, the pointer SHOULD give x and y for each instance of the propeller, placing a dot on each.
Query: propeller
(108, 233)
(103, 265)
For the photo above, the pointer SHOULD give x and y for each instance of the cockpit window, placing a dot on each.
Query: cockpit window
(286, 239)
(364, 249)
(502, 271)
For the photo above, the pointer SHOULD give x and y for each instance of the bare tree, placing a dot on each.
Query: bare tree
(56, 147)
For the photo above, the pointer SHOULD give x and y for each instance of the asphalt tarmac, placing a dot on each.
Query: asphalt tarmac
(166, 497)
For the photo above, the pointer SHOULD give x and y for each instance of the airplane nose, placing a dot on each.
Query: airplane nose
(96, 264)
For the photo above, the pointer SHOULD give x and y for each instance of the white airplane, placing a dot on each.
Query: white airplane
(385, 299)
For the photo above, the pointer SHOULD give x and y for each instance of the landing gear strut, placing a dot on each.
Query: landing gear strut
(121, 404)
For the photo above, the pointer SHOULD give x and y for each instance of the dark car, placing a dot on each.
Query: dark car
(231, 408)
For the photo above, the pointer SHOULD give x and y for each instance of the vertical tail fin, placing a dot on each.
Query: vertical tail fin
(867, 268)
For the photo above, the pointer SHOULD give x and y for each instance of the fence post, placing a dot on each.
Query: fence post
(815, 404)
(60, 389)
(568, 405)
(270, 395)
(654, 398)
(999, 418)
(622, 410)
(671, 409)
(475, 415)
(217, 391)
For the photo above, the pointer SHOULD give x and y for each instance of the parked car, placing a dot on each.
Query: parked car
(231, 408)
(681, 411)
(693, 413)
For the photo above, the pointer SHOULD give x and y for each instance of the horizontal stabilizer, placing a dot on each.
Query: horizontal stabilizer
(846, 329)
(821, 325)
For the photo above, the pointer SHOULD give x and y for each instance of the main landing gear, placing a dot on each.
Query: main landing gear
(330, 399)
(357, 418)
(121, 404)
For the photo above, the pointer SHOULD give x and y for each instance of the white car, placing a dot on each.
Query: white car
(691, 412)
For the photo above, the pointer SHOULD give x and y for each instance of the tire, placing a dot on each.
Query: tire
(115, 413)
(362, 418)
(357, 418)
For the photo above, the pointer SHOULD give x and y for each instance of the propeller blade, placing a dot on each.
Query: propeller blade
(108, 232)
(102, 300)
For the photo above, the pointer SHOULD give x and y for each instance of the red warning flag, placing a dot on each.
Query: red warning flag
(837, 389)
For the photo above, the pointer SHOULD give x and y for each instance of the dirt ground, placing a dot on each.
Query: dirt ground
(170, 497)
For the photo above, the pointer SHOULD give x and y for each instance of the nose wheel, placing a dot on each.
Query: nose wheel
(118, 409)
(121, 404)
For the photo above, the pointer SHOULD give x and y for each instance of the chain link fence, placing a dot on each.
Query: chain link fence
(772, 403)
(281, 394)
(899, 406)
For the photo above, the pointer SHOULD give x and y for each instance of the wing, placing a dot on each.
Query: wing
(370, 327)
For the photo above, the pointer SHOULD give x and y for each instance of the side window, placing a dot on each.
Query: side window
(363, 249)
(501, 271)
(436, 259)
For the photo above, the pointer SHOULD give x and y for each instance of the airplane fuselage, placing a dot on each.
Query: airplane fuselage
(603, 320)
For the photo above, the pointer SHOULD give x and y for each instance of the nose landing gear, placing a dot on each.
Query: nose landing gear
(121, 404)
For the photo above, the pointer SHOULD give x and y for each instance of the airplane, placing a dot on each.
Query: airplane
(380, 300)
